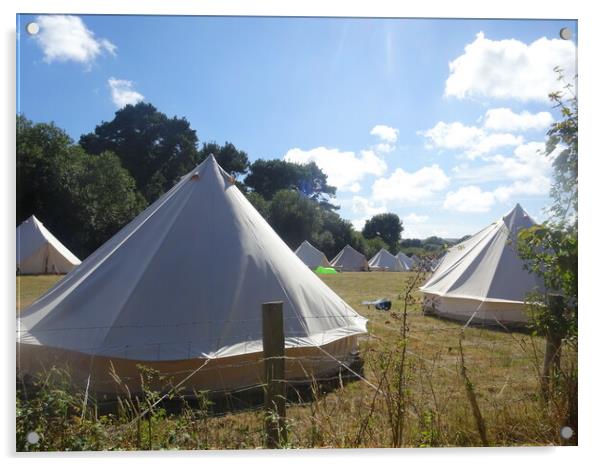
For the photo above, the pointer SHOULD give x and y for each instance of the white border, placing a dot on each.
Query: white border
(590, 195)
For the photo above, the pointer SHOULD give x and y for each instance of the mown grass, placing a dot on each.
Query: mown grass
(31, 287)
(427, 385)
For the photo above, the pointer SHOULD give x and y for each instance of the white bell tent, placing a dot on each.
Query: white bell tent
(482, 279)
(406, 261)
(311, 256)
(384, 261)
(180, 287)
(349, 260)
(39, 252)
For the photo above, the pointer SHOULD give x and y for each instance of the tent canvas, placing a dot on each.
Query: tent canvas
(350, 260)
(383, 260)
(40, 252)
(311, 256)
(406, 261)
(483, 278)
(180, 287)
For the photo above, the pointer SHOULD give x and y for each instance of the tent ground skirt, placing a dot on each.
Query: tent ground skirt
(109, 376)
(486, 313)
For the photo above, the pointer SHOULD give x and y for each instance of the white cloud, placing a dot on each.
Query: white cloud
(388, 137)
(344, 169)
(510, 69)
(122, 92)
(474, 199)
(66, 38)
(415, 218)
(469, 199)
(410, 187)
(528, 161)
(385, 133)
(504, 119)
(474, 141)
(363, 209)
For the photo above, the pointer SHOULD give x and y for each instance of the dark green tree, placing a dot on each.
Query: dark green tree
(294, 217)
(44, 156)
(335, 234)
(267, 177)
(104, 198)
(386, 226)
(261, 205)
(234, 161)
(155, 149)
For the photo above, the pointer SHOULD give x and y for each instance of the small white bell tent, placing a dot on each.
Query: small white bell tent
(384, 261)
(311, 256)
(350, 260)
(39, 252)
(179, 289)
(406, 261)
(482, 279)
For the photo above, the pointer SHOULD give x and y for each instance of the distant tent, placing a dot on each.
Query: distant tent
(406, 261)
(179, 289)
(350, 260)
(311, 256)
(39, 252)
(483, 278)
(384, 261)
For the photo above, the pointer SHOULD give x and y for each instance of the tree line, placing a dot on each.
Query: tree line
(85, 191)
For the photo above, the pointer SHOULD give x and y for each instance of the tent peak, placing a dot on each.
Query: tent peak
(517, 218)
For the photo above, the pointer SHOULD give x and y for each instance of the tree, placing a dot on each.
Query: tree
(44, 154)
(386, 226)
(294, 217)
(335, 234)
(261, 205)
(155, 149)
(234, 161)
(551, 249)
(267, 177)
(104, 199)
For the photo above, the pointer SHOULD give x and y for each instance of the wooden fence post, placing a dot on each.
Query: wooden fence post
(273, 353)
(551, 360)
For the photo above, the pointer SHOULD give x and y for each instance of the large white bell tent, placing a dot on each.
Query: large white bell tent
(349, 260)
(482, 279)
(384, 261)
(39, 252)
(406, 261)
(311, 256)
(180, 288)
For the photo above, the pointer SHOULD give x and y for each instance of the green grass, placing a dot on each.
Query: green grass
(31, 287)
(502, 368)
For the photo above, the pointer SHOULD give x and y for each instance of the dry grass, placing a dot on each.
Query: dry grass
(502, 368)
(31, 287)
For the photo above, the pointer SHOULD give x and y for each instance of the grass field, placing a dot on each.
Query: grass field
(421, 400)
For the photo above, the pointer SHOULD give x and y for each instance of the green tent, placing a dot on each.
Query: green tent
(325, 270)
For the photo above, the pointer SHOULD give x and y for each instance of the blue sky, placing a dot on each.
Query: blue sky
(439, 121)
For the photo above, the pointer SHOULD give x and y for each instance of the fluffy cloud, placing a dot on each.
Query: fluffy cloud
(470, 139)
(510, 69)
(385, 133)
(473, 199)
(410, 187)
(415, 218)
(504, 119)
(122, 92)
(527, 171)
(469, 199)
(66, 38)
(388, 137)
(344, 169)
(528, 161)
